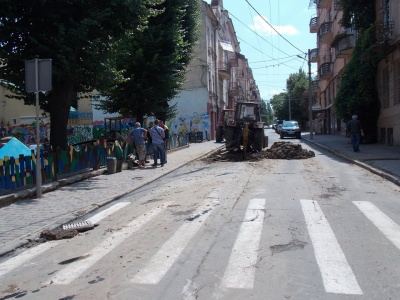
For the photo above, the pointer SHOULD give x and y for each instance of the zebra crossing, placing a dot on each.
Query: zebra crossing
(240, 272)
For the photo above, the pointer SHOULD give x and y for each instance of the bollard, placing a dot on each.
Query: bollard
(111, 165)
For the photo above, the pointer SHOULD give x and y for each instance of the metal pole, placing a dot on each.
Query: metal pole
(310, 98)
(290, 111)
(38, 163)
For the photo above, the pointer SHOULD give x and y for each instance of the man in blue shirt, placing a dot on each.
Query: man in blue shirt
(157, 137)
(138, 135)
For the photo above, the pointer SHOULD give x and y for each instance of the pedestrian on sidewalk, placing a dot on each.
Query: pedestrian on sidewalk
(149, 143)
(157, 136)
(356, 132)
(166, 138)
(139, 136)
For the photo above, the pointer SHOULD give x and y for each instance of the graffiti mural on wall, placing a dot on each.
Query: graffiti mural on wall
(192, 123)
(80, 133)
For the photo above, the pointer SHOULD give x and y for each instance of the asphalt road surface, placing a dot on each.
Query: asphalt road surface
(317, 228)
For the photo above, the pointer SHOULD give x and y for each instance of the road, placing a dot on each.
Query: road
(318, 228)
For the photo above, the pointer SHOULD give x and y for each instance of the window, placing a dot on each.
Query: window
(396, 81)
(385, 77)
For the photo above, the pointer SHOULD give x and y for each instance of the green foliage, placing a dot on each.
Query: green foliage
(357, 92)
(78, 36)
(359, 14)
(267, 115)
(297, 83)
(151, 64)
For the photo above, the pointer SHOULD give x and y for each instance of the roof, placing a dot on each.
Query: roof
(14, 148)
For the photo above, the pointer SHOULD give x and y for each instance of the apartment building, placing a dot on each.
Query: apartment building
(333, 51)
(218, 77)
(388, 74)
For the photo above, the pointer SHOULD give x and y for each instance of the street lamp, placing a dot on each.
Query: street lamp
(310, 120)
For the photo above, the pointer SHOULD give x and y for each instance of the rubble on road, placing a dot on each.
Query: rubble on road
(286, 150)
(278, 150)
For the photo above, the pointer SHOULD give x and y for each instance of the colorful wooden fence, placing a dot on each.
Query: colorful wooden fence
(20, 172)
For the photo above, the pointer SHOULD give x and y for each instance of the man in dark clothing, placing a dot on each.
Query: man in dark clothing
(356, 132)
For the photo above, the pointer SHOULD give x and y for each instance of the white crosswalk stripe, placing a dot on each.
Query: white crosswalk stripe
(337, 275)
(240, 273)
(386, 225)
(241, 267)
(31, 253)
(75, 269)
(159, 265)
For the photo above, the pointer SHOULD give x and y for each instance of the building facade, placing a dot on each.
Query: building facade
(388, 74)
(333, 51)
(217, 78)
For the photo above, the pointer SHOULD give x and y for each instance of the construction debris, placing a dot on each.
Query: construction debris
(67, 231)
(279, 150)
(286, 150)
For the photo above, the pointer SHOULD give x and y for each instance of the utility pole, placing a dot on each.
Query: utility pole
(290, 110)
(310, 97)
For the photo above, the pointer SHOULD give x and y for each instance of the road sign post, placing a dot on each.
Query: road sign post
(38, 79)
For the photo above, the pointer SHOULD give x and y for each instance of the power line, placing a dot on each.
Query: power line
(273, 27)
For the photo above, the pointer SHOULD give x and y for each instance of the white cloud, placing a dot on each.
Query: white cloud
(261, 26)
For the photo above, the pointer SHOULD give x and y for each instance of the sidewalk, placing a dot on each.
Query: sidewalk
(25, 219)
(379, 159)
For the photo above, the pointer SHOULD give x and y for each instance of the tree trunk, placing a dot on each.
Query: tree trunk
(59, 107)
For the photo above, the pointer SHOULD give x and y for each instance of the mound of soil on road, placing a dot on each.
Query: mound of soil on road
(279, 150)
(286, 150)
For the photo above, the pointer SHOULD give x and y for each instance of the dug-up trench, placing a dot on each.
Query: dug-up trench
(278, 150)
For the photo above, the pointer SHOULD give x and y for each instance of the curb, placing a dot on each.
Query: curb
(374, 170)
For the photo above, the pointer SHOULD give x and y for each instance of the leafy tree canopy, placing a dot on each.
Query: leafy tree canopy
(77, 35)
(296, 85)
(152, 63)
(357, 92)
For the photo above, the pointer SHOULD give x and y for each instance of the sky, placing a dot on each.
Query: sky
(271, 57)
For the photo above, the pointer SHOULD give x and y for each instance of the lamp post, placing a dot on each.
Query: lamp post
(310, 98)
(310, 120)
(290, 110)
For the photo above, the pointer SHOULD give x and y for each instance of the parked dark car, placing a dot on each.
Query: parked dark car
(290, 129)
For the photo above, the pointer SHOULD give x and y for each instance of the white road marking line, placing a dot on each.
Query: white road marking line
(240, 271)
(75, 269)
(386, 225)
(162, 261)
(336, 272)
(107, 212)
(25, 256)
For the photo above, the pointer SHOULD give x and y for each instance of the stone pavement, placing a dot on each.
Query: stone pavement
(379, 159)
(24, 219)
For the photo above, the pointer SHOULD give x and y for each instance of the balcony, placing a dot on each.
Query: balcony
(321, 3)
(233, 59)
(314, 22)
(325, 33)
(224, 70)
(384, 31)
(314, 55)
(344, 45)
(233, 89)
(336, 5)
(315, 85)
(325, 70)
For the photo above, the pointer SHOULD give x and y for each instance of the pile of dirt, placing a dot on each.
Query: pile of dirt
(286, 150)
(279, 150)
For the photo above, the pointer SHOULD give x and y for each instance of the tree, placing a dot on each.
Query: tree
(297, 83)
(152, 63)
(267, 114)
(77, 35)
(357, 93)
